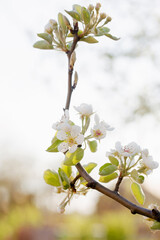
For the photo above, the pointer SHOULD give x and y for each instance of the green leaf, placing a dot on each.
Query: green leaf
(43, 45)
(77, 8)
(67, 170)
(113, 160)
(85, 15)
(155, 226)
(112, 37)
(64, 179)
(138, 192)
(89, 167)
(51, 178)
(74, 15)
(46, 36)
(107, 169)
(71, 35)
(89, 39)
(92, 145)
(102, 31)
(108, 178)
(138, 178)
(54, 146)
(61, 22)
(73, 158)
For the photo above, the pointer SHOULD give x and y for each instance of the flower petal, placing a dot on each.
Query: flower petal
(75, 130)
(79, 139)
(61, 135)
(73, 148)
(63, 147)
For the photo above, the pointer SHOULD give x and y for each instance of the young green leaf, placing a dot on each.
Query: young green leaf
(113, 160)
(138, 178)
(108, 170)
(102, 31)
(155, 226)
(51, 178)
(89, 39)
(64, 179)
(45, 36)
(85, 15)
(112, 37)
(74, 15)
(67, 170)
(108, 178)
(54, 146)
(42, 45)
(92, 145)
(62, 23)
(73, 158)
(77, 8)
(138, 192)
(89, 167)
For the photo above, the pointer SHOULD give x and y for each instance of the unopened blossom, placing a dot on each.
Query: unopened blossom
(147, 161)
(128, 150)
(71, 138)
(63, 123)
(84, 110)
(100, 128)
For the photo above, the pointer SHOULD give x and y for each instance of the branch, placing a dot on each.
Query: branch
(70, 69)
(120, 178)
(153, 214)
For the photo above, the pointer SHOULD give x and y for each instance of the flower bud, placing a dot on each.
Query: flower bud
(73, 59)
(108, 19)
(53, 23)
(97, 7)
(75, 80)
(48, 28)
(90, 7)
(61, 209)
(103, 16)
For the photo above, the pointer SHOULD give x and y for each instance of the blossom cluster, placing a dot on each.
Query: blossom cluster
(72, 136)
(132, 155)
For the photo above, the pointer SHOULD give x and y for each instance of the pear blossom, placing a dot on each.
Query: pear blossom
(128, 150)
(64, 122)
(100, 128)
(84, 110)
(71, 137)
(147, 161)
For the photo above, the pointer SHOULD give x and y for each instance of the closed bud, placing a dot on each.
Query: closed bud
(48, 28)
(53, 23)
(108, 19)
(73, 59)
(103, 16)
(90, 7)
(75, 80)
(97, 7)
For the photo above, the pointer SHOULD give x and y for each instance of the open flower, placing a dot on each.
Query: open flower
(71, 138)
(64, 122)
(128, 150)
(100, 128)
(147, 161)
(84, 110)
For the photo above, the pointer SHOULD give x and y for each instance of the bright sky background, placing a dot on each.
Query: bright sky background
(33, 85)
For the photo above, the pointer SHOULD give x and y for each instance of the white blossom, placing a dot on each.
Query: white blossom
(128, 150)
(71, 138)
(148, 162)
(64, 122)
(100, 128)
(84, 110)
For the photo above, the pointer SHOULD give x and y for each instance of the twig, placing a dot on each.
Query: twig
(72, 184)
(120, 178)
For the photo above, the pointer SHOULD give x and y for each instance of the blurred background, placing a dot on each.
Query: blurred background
(121, 79)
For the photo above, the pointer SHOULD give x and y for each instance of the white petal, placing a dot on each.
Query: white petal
(61, 135)
(73, 148)
(63, 147)
(118, 147)
(55, 126)
(79, 139)
(75, 130)
(96, 119)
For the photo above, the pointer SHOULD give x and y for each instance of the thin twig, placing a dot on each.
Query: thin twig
(120, 178)
(72, 184)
